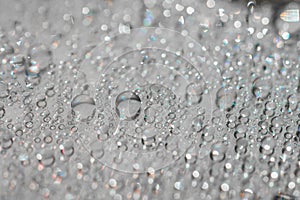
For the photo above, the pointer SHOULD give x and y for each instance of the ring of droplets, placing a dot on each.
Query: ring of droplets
(151, 93)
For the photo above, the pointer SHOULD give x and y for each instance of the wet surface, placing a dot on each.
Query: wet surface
(149, 100)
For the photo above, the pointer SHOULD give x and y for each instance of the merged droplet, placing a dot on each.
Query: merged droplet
(128, 105)
(83, 106)
(194, 93)
(226, 98)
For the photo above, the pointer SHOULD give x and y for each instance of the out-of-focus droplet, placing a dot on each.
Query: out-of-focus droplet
(41, 101)
(2, 110)
(284, 197)
(287, 22)
(267, 145)
(46, 158)
(32, 71)
(247, 194)
(251, 5)
(150, 114)
(6, 139)
(249, 164)
(97, 150)
(293, 102)
(6, 49)
(291, 15)
(40, 58)
(218, 152)
(67, 148)
(226, 98)
(197, 123)
(3, 89)
(194, 93)
(262, 87)
(18, 63)
(241, 146)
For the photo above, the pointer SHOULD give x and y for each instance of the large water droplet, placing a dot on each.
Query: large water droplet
(128, 105)
(267, 145)
(262, 87)
(194, 93)
(40, 58)
(218, 152)
(83, 106)
(226, 98)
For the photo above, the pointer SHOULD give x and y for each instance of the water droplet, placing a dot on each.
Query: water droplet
(2, 110)
(150, 114)
(6, 139)
(46, 158)
(128, 105)
(32, 71)
(41, 101)
(18, 63)
(226, 98)
(267, 145)
(218, 152)
(293, 102)
(83, 107)
(241, 146)
(197, 123)
(286, 19)
(3, 89)
(262, 87)
(40, 58)
(284, 197)
(194, 93)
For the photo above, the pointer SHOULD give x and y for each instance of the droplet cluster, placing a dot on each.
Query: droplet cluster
(149, 100)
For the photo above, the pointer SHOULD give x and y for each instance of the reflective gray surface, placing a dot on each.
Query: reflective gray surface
(149, 100)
